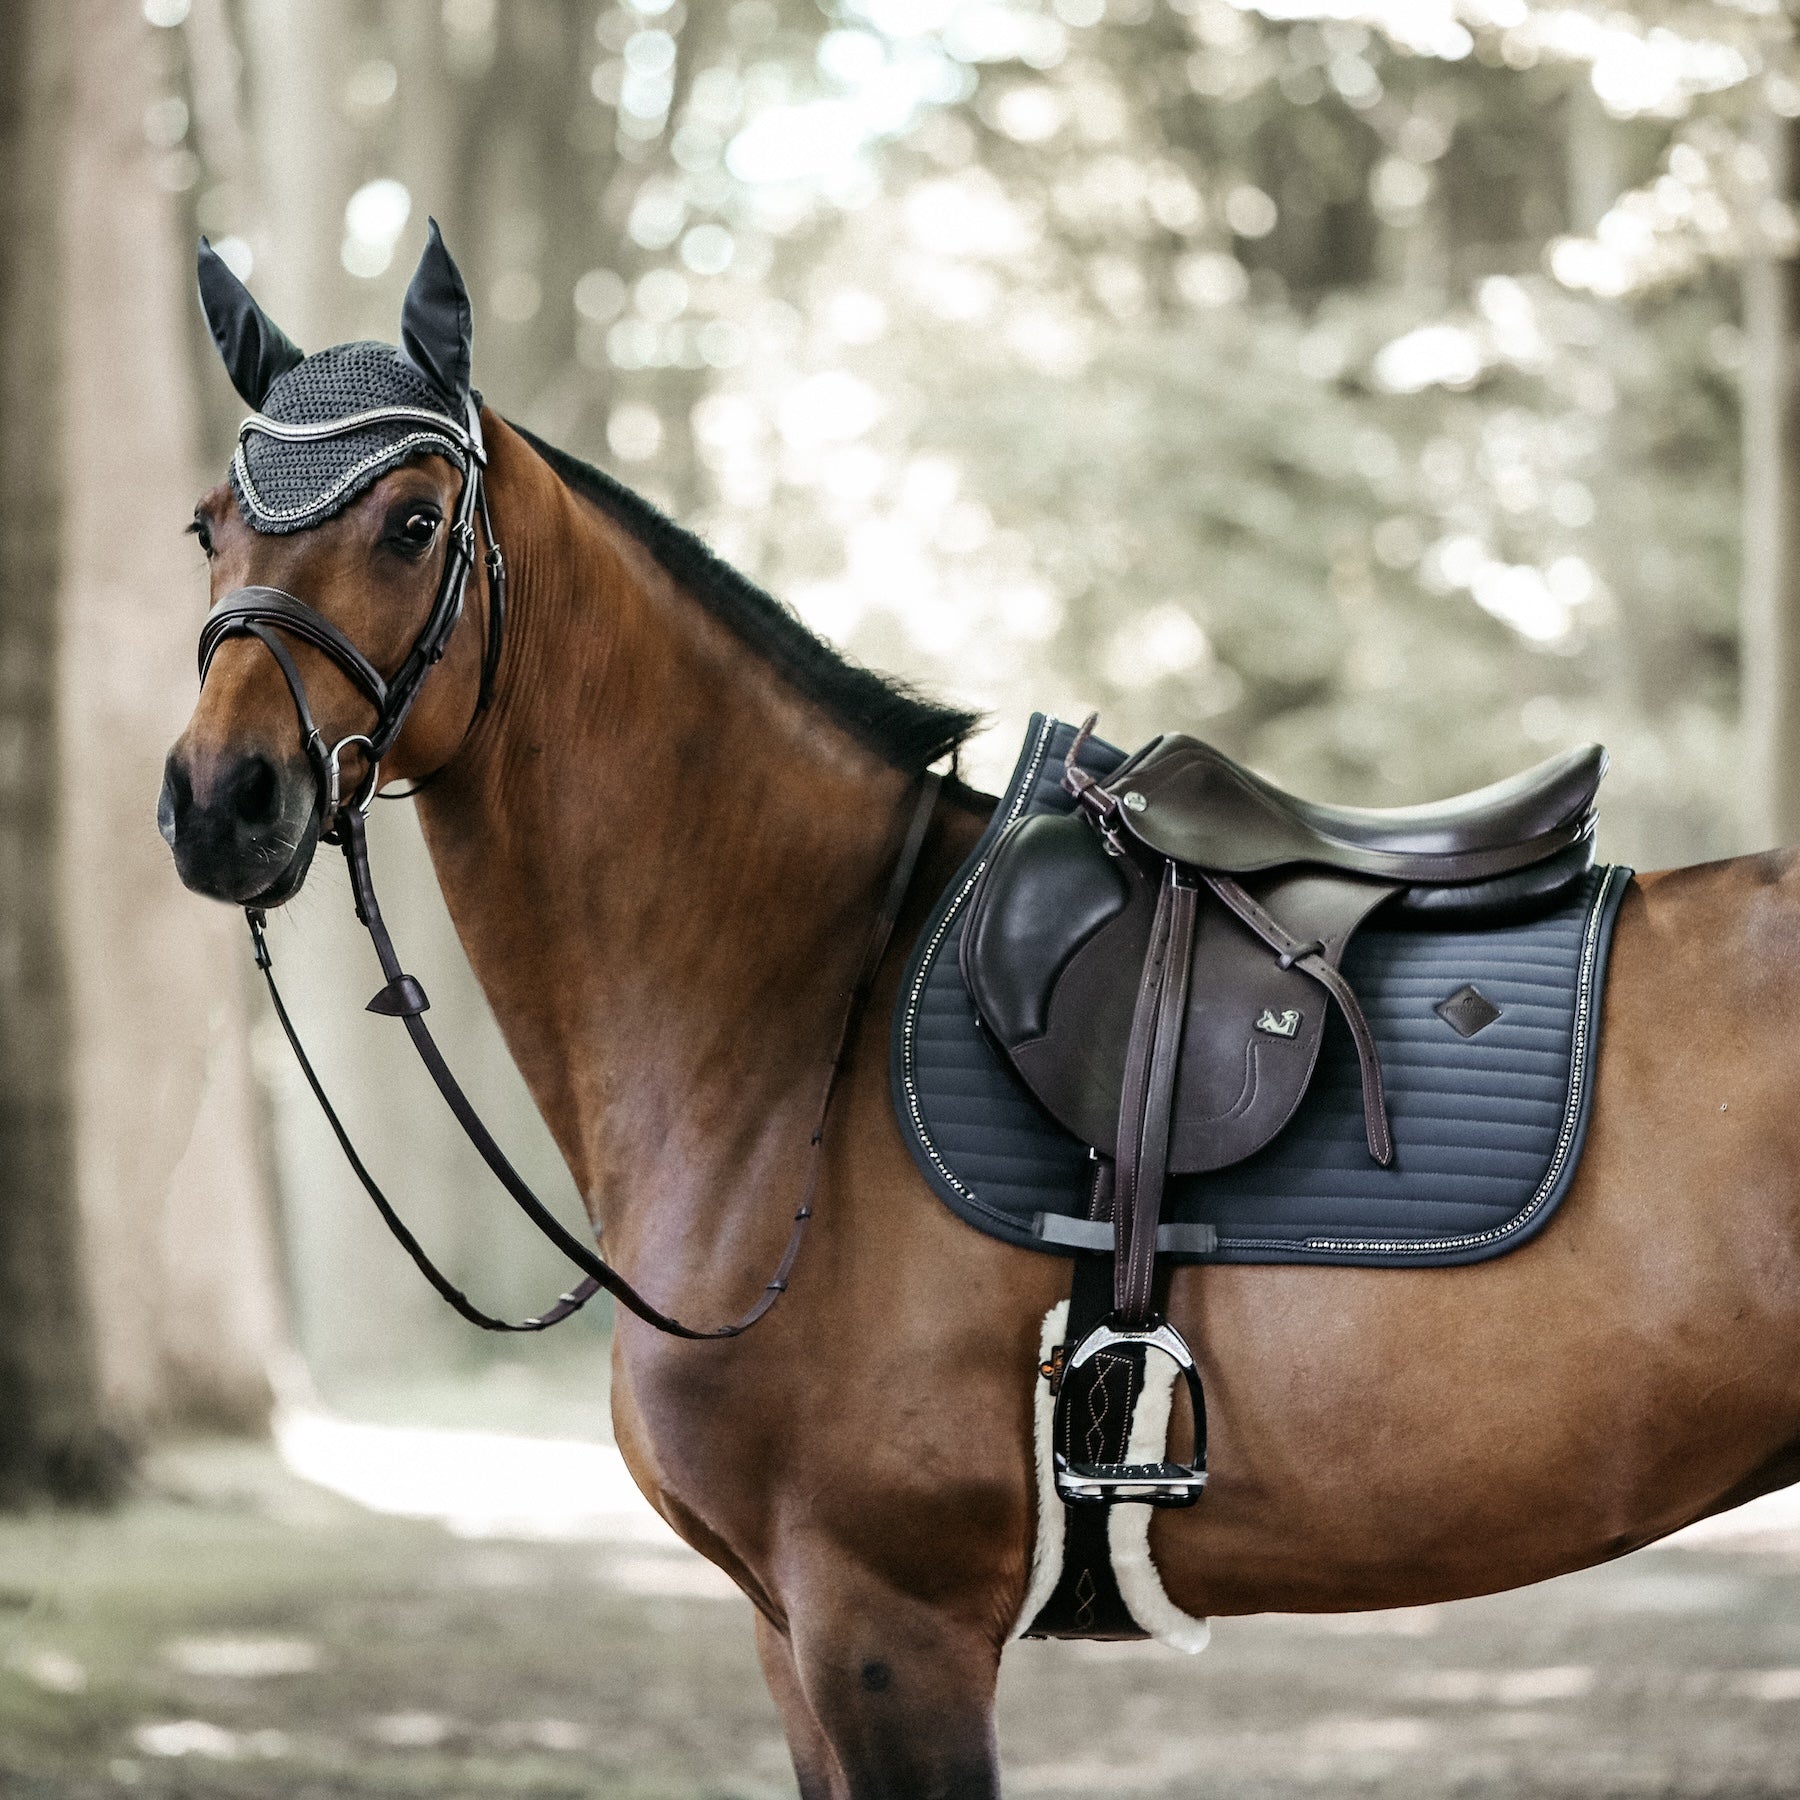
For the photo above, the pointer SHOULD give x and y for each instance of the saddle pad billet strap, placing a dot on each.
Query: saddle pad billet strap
(1294, 953)
(1054, 1229)
(1148, 1098)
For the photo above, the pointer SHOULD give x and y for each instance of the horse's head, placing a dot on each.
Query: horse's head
(339, 548)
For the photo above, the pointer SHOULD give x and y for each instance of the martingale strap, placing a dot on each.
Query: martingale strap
(404, 998)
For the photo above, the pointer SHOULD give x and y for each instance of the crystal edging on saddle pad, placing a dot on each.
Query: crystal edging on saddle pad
(1488, 1128)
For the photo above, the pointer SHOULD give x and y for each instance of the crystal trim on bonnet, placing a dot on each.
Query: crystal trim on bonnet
(439, 431)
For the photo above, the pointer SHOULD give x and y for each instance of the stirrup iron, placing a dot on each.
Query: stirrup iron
(1112, 1483)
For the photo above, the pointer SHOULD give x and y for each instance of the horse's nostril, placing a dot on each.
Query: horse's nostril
(238, 824)
(256, 796)
(173, 802)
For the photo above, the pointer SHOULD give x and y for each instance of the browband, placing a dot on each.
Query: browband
(303, 431)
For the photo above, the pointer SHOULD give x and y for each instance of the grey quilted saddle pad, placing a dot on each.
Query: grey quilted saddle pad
(1488, 1128)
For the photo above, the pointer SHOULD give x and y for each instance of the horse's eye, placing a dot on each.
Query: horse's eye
(202, 529)
(417, 533)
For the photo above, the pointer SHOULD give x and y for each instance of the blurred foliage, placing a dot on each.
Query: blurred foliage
(1356, 384)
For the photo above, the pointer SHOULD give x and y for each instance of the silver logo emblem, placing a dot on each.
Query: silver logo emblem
(1282, 1024)
(1133, 801)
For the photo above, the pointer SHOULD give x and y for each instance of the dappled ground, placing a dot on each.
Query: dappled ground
(237, 1632)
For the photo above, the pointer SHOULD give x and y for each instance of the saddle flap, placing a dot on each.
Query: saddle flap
(1047, 890)
(1057, 935)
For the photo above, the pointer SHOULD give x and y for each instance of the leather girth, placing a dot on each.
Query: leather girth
(1086, 1602)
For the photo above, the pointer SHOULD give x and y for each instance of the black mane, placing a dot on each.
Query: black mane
(889, 718)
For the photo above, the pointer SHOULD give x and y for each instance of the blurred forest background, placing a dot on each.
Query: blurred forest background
(1393, 391)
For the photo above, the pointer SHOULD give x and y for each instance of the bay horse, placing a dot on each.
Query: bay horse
(661, 845)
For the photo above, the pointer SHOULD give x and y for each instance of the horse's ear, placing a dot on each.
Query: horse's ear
(256, 350)
(436, 327)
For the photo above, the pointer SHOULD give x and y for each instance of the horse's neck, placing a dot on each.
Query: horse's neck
(663, 865)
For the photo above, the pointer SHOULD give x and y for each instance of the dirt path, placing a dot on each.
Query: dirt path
(240, 1634)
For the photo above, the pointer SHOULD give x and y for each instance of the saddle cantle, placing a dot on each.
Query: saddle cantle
(1159, 965)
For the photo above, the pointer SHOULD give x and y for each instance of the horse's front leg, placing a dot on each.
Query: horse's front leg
(884, 1697)
(815, 1767)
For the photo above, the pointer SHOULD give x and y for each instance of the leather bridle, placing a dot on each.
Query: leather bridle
(266, 613)
(261, 612)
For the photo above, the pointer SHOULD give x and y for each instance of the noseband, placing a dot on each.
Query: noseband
(262, 612)
(266, 613)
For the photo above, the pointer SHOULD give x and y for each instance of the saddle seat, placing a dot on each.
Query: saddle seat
(1185, 800)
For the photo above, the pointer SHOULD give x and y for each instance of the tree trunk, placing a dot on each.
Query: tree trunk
(179, 1227)
(1769, 655)
(295, 52)
(52, 1438)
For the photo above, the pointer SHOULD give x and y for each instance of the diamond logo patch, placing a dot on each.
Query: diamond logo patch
(1467, 1011)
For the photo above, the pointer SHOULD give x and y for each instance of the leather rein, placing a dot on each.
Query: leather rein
(263, 613)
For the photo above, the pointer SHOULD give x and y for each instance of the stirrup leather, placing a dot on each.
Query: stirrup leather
(1108, 1483)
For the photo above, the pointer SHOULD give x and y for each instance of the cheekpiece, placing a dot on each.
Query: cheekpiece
(284, 483)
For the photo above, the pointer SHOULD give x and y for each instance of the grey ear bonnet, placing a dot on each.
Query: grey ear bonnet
(283, 485)
(418, 396)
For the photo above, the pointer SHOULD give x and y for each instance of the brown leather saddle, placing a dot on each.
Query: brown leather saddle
(1158, 966)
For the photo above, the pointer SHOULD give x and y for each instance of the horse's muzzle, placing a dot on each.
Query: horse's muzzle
(243, 829)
